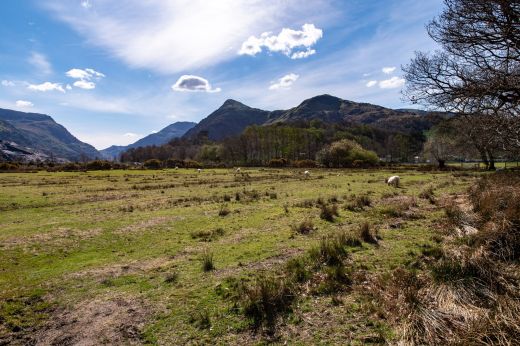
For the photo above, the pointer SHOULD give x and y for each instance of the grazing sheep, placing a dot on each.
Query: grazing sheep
(393, 180)
(199, 170)
(237, 170)
(176, 167)
(307, 174)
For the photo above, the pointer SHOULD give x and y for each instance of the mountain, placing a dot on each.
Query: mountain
(330, 109)
(233, 117)
(39, 133)
(229, 120)
(175, 130)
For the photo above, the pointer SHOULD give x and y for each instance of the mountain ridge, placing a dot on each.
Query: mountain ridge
(41, 133)
(174, 130)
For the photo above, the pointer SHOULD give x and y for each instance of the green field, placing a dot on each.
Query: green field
(116, 256)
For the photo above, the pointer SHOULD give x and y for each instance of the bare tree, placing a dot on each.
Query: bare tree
(477, 72)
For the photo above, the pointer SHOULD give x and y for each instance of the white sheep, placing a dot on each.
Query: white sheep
(237, 170)
(393, 181)
(176, 167)
(307, 174)
(199, 170)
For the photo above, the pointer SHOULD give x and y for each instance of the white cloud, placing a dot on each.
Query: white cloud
(392, 83)
(154, 131)
(85, 77)
(40, 61)
(131, 135)
(285, 82)
(7, 83)
(193, 83)
(47, 86)
(303, 54)
(388, 70)
(83, 84)
(68, 87)
(180, 35)
(371, 83)
(24, 104)
(86, 4)
(285, 42)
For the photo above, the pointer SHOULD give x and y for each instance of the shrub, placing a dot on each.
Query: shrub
(98, 165)
(328, 212)
(304, 164)
(296, 269)
(344, 153)
(152, 164)
(278, 163)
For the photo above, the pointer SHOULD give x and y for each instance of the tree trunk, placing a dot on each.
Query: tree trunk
(484, 158)
(442, 164)
(491, 166)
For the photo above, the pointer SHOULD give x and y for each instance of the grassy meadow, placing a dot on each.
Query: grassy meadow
(157, 256)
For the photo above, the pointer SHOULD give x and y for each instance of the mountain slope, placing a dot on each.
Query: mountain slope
(330, 109)
(175, 130)
(41, 133)
(233, 117)
(229, 120)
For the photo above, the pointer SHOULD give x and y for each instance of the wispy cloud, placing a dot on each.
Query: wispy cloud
(177, 36)
(7, 83)
(40, 62)
(371, 83)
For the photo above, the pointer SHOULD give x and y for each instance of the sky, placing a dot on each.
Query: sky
(114, 71)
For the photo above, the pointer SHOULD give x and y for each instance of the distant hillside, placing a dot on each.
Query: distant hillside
(229, 120)
(233, 117)
(41, 134)
(175, 130)
(330, 109)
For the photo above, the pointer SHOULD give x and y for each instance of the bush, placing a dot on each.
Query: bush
(152, 164)
(98, 165)
(278, 163)
(344, 153)
(304, 164)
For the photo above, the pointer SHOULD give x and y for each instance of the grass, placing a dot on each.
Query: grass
(140, 236)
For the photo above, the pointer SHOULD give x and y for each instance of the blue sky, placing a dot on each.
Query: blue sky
(114, 71)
